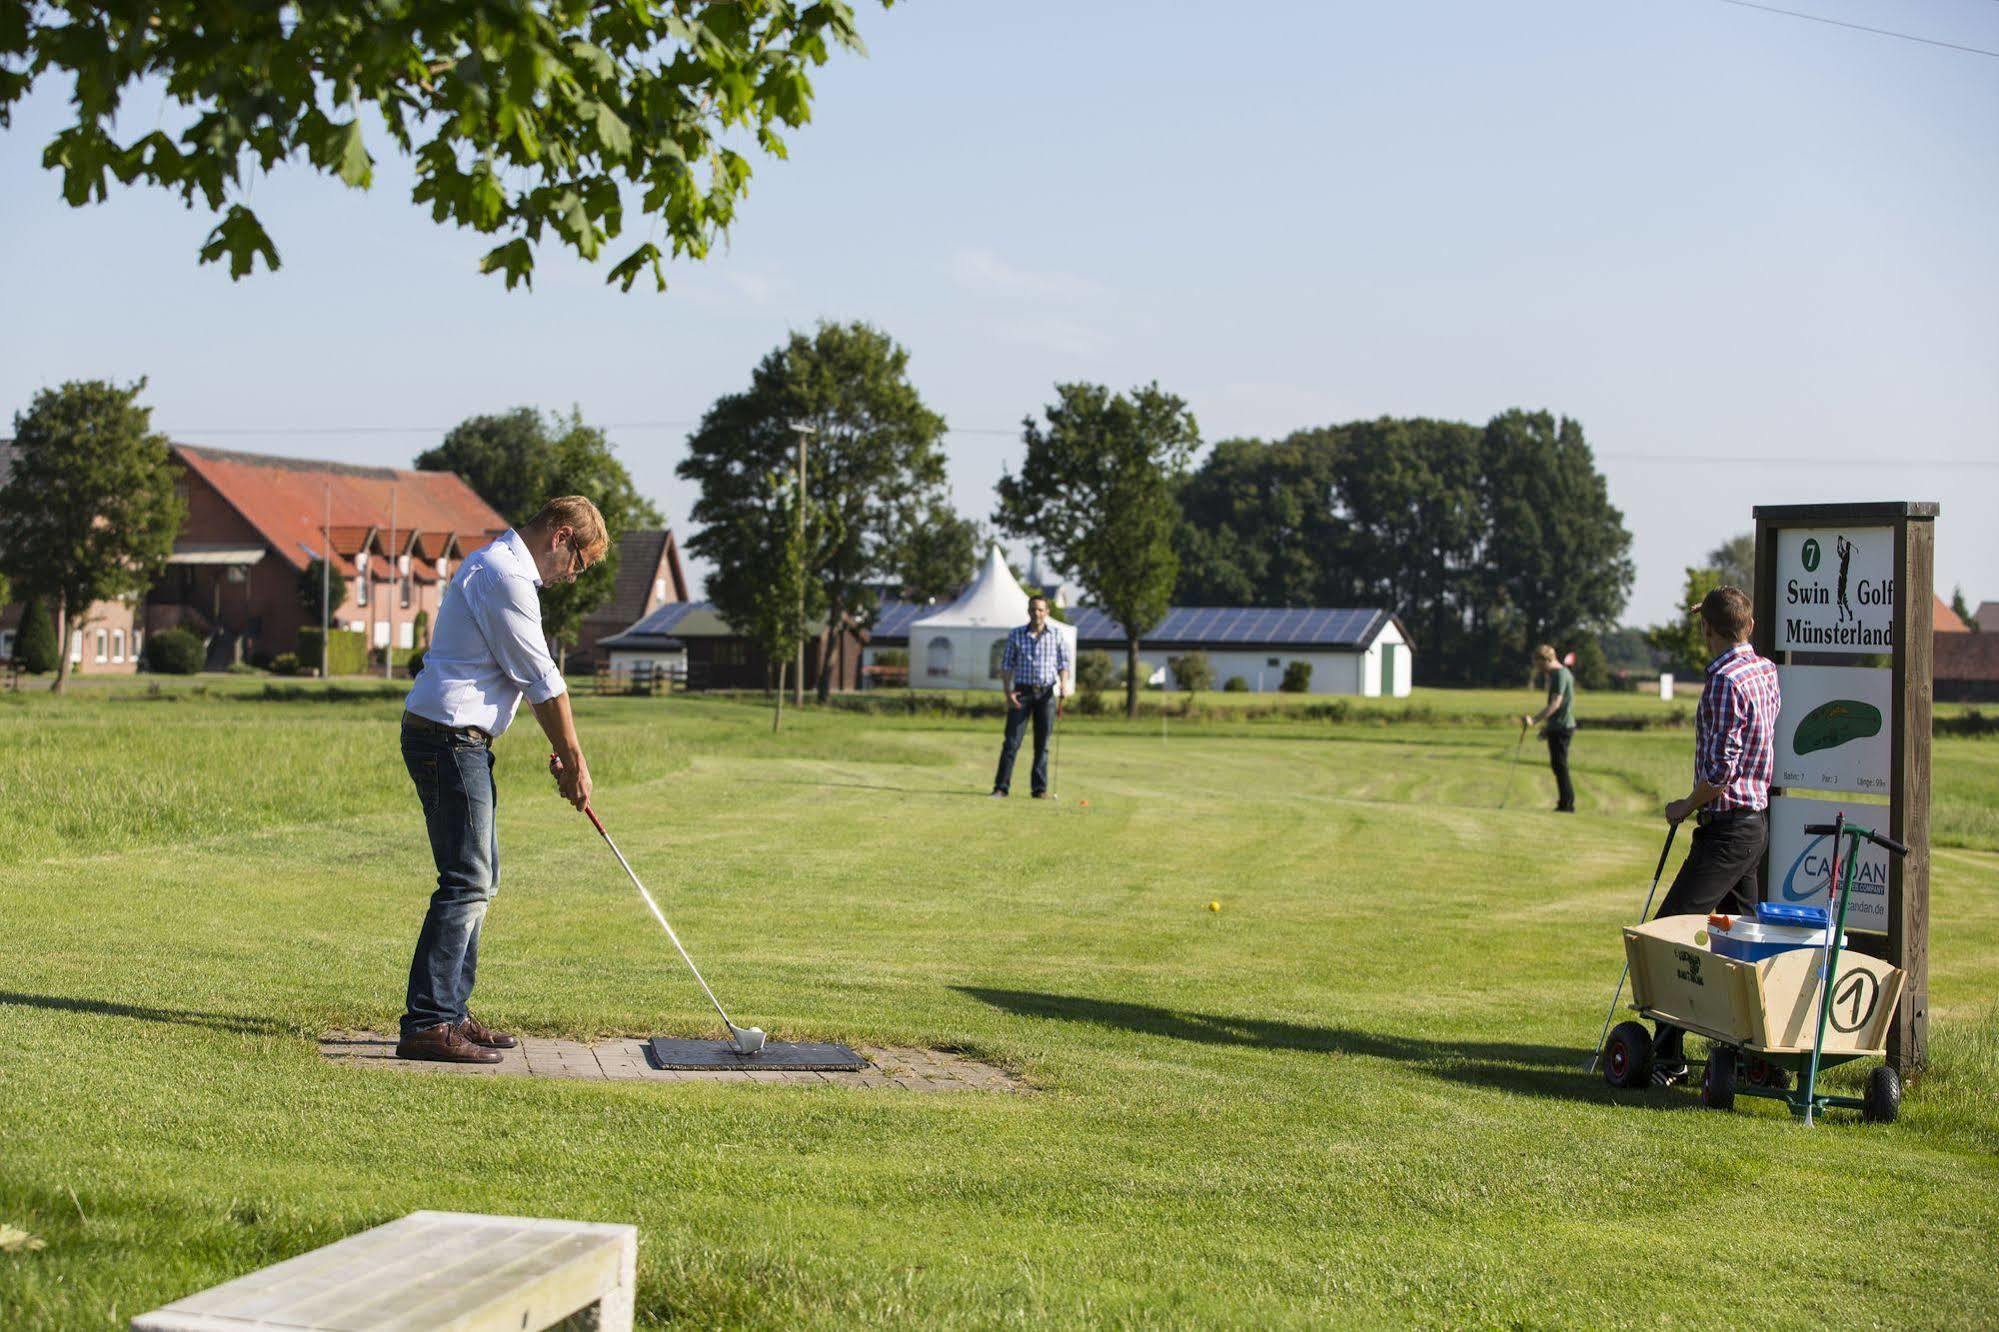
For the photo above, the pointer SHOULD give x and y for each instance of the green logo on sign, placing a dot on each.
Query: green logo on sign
(1812, 555)
(1830, 725)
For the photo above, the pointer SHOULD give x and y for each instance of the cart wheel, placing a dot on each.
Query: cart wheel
(1627, 1055)
(1718, 1083)
(1756, 1071)
(1884, 1096)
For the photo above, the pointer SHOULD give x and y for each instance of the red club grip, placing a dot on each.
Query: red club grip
(555, 765)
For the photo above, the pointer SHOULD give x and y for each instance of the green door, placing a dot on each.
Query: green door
(1388, 670)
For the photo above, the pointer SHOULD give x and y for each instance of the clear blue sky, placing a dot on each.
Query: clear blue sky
(1701, 229)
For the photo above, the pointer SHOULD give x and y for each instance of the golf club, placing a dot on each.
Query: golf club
(747, 1040)
(1055, 759)
(1507, 793)
(1596, 1055)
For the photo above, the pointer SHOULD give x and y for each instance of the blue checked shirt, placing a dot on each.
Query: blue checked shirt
(1033, 662)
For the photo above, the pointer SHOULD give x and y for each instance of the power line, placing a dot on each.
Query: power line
(1718, 459)
(1667, 458)
(1861, 27)
(439, 430)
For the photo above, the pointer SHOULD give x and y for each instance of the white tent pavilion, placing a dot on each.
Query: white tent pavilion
(958, 646)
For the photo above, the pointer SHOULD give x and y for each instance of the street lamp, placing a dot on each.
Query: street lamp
(804, 431)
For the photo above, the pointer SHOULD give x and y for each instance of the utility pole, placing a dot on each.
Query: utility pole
(803, 432)
(326, 587)
(395, 589)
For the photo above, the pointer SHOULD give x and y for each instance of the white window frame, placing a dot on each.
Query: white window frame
(118, 645)
(76, 647)
(103, 645)
(930, 657)
(6, 644)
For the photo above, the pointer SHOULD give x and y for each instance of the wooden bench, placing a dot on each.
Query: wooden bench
(456, 1270)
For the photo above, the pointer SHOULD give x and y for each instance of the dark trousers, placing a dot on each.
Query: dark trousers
(1040, 705)
(1723, 872)
(454, 783)
(1558, 759)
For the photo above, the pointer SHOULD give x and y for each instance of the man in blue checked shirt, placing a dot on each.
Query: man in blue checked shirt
(1034, 666)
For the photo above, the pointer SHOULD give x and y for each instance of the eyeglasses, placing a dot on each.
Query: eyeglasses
(577, 564)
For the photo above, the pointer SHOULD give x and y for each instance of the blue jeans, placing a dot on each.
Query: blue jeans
(454, 780)
(1038, 705)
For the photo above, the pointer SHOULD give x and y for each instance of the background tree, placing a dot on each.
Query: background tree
(939, 555)
(519, 460)
(1193, 672)
(1592, 667)
(1257, 523)
(540, 120)
(1477, 538)
(1556, 552)
(1678, 641)
(89, 507)
(1412, 526)
(778, 601)
(584, 463)
(1097, 493)
(1626, 648)
(1963, 611)
(1095, 671)
(35, 646)
(310, 581)
(508, 459)
(875, 466)
(1735, 560)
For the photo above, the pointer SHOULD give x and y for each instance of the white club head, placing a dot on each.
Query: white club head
(748, 1040)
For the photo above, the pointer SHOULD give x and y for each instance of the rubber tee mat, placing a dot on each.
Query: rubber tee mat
(802, 1056)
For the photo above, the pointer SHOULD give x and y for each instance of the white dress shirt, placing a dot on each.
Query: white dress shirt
(487, 648)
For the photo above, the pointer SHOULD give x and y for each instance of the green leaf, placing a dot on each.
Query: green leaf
(627, 269)
(613, 135)
(242, 237)
(595, 59)
(356, 168)
(516, 257)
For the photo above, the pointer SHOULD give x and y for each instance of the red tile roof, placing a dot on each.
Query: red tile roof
(285, 500)
(1947, 620)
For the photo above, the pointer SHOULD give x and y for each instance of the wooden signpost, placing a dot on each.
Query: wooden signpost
(1841, 589)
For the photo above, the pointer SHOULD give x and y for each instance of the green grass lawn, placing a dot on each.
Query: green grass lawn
(1353, 1096)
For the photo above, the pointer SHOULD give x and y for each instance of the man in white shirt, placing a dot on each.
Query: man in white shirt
(486, 652)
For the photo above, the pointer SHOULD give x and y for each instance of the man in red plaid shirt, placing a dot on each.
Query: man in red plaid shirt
(1734, 756)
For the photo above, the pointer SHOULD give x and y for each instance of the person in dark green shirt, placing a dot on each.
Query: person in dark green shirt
(1559, 717)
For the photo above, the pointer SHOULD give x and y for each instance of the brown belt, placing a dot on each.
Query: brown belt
(413, 722)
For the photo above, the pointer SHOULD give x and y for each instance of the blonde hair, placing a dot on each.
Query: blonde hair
(578, 513)
(1545, 653)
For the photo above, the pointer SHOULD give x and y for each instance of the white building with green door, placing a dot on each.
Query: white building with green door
(1364, 652)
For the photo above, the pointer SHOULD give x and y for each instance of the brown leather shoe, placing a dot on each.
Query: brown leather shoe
(442, 1044)
(477, 1032)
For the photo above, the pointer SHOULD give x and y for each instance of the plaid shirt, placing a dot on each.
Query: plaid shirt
(1736, 749)
(1032, 661)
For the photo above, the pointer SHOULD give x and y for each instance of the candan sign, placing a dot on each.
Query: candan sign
(1801, 862)
(1836, 589)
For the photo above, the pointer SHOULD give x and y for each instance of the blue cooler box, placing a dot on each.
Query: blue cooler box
(1776, 928)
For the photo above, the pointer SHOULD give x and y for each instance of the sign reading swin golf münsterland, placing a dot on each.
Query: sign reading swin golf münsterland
(1835, 589)
(1841, 589)
(1835, 729)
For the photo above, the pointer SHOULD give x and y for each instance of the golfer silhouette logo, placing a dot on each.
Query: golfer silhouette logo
(1845, 549)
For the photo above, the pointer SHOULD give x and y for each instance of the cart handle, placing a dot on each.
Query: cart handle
(1882, 840)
